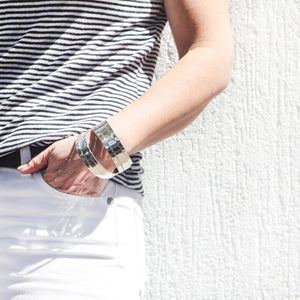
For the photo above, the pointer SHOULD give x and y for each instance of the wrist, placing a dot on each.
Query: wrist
(121, 127)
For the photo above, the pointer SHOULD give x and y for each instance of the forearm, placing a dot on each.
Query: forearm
(175, 100)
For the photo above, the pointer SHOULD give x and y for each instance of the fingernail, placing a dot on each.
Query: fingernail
(22, 167)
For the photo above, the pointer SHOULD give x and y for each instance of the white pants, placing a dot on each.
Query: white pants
(59, 246)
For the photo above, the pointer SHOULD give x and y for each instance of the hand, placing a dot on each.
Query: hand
(65, 170)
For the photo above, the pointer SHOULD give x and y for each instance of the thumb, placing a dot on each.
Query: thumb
(38, 162)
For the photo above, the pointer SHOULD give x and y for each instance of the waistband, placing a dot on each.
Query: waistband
(17, 157)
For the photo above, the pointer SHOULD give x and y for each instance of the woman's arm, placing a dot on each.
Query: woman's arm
(202, 33)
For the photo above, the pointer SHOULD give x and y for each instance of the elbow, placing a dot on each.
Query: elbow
(224, 77)
(217, 61)
(224, 55)
(226, 68)
(223, 64)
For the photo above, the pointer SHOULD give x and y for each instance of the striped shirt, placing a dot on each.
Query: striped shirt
(67, 65)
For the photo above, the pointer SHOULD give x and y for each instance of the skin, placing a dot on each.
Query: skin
(202, 33)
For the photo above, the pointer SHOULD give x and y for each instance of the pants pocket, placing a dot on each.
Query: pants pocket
(36, 219)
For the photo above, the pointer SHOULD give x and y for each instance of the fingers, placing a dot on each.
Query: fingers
(38, 162)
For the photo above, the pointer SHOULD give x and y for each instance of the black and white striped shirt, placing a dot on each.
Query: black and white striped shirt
(67, 65)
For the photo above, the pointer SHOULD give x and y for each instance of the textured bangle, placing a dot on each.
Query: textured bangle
(89, 159)
(113, 146)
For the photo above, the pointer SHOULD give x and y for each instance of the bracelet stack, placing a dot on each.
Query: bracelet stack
(113, 146)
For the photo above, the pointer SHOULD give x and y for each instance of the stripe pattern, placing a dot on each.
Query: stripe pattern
(67, 65)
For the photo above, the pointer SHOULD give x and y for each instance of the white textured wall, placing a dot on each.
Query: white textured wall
(222, 198)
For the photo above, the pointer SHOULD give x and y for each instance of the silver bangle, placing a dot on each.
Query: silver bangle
(111, 143)
(89, 159)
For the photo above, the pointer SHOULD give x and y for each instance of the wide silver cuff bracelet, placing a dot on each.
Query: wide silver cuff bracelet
(111, 143)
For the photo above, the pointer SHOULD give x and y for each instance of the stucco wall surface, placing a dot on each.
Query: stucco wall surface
(222, 202)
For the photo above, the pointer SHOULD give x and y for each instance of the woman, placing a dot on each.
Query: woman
(67, 232)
